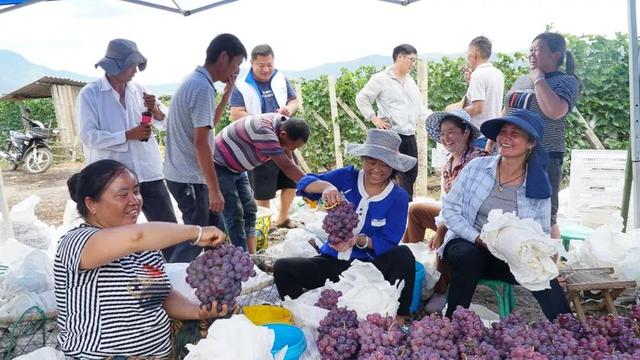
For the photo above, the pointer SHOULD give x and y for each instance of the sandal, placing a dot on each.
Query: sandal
(287, 224)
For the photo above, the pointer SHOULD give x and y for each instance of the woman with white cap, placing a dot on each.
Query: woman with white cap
(514, 181)
(381, 206)
(455, 131)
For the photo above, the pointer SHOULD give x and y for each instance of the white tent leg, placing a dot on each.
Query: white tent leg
(7, 229)
(634, 103)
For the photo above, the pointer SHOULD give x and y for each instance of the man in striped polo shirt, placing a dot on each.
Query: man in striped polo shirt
(243, 145)
(188, 165)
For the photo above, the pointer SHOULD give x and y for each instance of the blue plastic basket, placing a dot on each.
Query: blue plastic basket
(417, 288)
(290, 336)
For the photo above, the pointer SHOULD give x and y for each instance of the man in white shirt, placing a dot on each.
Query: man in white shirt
(109, 113)
(483, 100)
(400, 105)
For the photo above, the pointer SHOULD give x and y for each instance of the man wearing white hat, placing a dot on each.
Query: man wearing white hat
(109, 113)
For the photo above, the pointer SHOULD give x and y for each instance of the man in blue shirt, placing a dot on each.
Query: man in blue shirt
(266, 90)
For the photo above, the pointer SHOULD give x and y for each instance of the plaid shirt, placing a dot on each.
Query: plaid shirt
(471, 188)
(450, 173)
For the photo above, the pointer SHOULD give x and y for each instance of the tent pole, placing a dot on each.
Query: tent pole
(634, 104)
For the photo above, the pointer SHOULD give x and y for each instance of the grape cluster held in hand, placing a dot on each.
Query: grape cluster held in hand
(340, 222)
(218, 273)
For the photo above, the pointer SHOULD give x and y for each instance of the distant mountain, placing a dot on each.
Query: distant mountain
(17, 71)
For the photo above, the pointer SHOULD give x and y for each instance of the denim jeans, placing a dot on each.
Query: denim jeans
(193, 202)
(239, 206)
(554, 170)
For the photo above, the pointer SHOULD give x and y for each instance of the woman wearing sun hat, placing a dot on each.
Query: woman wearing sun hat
(381, 206)
(515, 181)
(455, 131)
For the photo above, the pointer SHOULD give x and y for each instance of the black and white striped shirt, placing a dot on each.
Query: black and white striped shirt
(115, 309)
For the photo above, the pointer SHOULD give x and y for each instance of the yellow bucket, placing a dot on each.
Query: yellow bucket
(265, 314)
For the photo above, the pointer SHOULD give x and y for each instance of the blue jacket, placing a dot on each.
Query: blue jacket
(382, 217)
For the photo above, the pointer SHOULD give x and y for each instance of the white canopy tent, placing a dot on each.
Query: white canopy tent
(16, 4)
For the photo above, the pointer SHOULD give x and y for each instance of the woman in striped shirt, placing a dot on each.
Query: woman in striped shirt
(113, 296)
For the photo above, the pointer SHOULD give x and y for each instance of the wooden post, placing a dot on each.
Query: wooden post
(320, 119)
(334, 120)
(352, 115)
(7, 229)
(303, 163)
(420, 187)
(591, 135)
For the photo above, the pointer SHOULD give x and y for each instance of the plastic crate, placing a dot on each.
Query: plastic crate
(596, 184)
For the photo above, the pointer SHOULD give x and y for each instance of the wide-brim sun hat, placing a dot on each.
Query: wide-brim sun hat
(537, 180)
(528, 121)
(432, 125)
(121, 53)
(383, 145)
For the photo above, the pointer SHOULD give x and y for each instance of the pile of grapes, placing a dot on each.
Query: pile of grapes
(218, 273)
(340, 222)
(464, 337)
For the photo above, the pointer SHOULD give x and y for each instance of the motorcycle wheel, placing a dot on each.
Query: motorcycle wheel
(38, 160)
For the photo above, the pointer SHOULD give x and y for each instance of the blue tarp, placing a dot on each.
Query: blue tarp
(12, 2)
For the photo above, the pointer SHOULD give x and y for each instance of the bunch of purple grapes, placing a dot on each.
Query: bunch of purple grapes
(470, 332)
(380, 338)
(218, 273)
(432, 336)
(338, 336)
(328, 299)
(340, 222)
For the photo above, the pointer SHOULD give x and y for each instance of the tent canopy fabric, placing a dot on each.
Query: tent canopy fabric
(16, 4)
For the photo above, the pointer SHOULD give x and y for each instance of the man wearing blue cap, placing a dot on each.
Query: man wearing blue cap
(109, 113)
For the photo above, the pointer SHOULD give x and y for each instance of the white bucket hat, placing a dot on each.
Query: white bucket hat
(383, 145)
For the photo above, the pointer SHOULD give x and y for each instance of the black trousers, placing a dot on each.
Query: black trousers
(156, 202)
(193, 202)
(295, 275)
(470, 263)
(408, 146)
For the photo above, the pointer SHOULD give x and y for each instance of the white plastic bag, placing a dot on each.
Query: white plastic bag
(296, 244)
(27, 228)
(227, 339)
(629, 268)
(607, 246)
(45, 353)
(428, 259)
(33, 274)
(524, 246)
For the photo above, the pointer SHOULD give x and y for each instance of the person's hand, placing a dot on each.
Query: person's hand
(150, 102)
(331, 196)
(535, 73)
(216, 201)
(284, 111)
(562, 281)
(140, 132)
(345, 245)
(228, 88)
(466, 72)
(480, 242)
(435, 241)
(381, 123)
(211, 312)
(211, 237)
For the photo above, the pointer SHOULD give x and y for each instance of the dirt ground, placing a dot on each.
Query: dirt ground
(51, 187)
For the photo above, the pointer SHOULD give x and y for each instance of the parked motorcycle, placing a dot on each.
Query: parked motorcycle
(30, 147)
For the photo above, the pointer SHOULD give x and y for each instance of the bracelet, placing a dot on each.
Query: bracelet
(366, 243)
(197, 240)
(536, 81)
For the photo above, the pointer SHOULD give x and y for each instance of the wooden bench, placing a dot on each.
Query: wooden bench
(594, 279)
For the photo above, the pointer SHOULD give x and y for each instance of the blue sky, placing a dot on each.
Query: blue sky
(72, 34)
